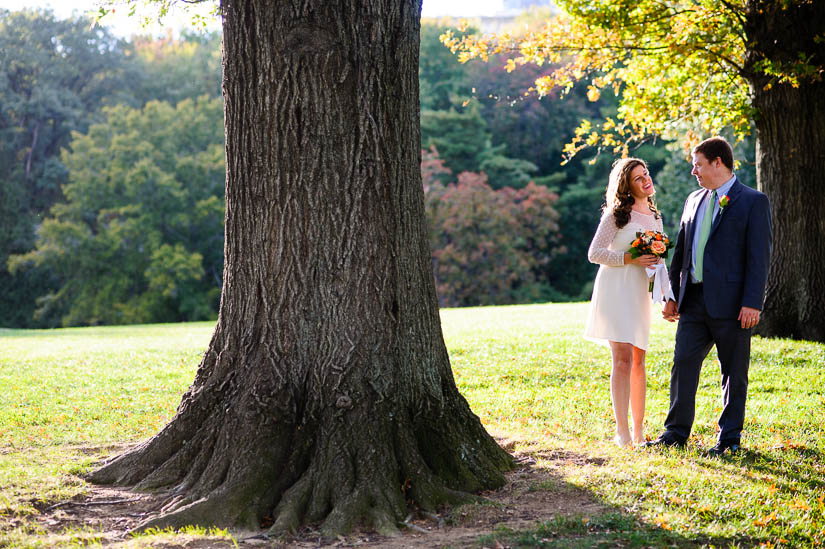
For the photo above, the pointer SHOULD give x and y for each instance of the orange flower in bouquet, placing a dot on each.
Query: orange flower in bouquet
(650, 243)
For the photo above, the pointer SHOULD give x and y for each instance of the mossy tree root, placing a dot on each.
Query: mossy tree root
(345, 468)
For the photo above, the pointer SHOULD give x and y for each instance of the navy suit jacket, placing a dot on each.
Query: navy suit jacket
(736, 255)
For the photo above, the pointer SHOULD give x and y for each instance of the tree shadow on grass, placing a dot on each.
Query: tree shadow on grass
(786, 471)
(539, 508)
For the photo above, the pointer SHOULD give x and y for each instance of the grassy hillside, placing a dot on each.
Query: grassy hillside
(67, 396)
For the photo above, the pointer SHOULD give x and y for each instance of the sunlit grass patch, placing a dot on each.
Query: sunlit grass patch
(94, 385)
(28, 536)
(68, 395)
(156, 537)
(35, 476)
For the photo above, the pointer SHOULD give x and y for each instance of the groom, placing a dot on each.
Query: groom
(718, 275)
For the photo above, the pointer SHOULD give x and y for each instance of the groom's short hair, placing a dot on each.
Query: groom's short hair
(716, 147)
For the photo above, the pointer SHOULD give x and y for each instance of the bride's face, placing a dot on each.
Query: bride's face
(641, 185)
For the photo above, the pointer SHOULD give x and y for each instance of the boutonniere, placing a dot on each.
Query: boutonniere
(724, 200)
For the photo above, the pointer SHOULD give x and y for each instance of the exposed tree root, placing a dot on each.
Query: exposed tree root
(333, 473)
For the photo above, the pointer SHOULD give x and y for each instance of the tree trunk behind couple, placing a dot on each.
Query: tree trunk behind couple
(326, 394)
(790, 163)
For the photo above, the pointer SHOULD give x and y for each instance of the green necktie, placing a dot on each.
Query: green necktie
(707, 221)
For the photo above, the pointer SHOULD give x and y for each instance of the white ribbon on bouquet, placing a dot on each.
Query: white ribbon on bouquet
(662, 291)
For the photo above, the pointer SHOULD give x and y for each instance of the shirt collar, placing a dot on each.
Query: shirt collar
(725, 188)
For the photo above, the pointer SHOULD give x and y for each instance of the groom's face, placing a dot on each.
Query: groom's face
(706, 172)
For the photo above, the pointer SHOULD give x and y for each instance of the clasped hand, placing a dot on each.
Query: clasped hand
(748, 317)
(648, 260)
(671, 311)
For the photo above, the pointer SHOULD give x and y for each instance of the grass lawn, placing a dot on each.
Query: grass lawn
(67, 396)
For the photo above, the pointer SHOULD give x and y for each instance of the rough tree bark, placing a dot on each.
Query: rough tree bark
(790, 163)
(326, 394)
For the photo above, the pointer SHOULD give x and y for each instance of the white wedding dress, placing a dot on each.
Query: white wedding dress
(621, 304)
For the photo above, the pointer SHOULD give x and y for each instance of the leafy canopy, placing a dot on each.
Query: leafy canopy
(489, 246)
(682, 67)
(139, 237)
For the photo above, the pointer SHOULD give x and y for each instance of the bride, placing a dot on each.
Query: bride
(620, 306)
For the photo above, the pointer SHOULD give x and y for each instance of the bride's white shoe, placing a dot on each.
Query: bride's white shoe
(621, 442)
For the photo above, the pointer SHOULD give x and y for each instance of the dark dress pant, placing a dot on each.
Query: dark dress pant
(695, 336)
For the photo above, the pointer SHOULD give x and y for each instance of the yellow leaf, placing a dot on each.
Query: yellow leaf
(764, 521)
(800, 504)
(593, 94)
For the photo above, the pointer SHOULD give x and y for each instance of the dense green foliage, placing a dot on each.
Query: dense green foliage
(73, 393)
(177, 69)
(480, 123)
(56, 76)
(112, 177)
(139, 237)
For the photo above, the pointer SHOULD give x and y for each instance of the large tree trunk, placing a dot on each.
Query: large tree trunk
(326, 394)
(790, 164)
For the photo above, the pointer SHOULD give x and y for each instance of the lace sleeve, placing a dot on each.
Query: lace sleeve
(599, 251)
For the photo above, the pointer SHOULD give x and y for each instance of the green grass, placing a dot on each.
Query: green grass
(579, 531)
(68, 395)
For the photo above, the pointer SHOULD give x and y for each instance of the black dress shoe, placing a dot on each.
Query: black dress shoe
(664, 441)
(731, 445)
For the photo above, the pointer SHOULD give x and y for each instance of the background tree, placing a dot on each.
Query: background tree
(177, 68)
(704, 66)
(489, 246)
(461, 137)
(139, 237)
(477, 118)
(443, 80)
(326, 394)
(528, 129)
(511, 141)
(53, 74)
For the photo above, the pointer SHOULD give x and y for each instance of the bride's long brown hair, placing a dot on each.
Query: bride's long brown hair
(618, 198)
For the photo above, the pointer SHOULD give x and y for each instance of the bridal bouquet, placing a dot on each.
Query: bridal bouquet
(650, 242)
(658, 244)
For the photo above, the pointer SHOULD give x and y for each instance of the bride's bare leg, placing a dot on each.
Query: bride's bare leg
(622, 354)
(638, 390)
